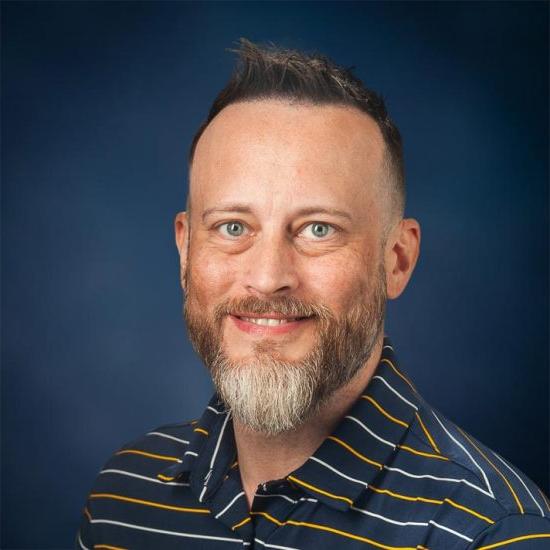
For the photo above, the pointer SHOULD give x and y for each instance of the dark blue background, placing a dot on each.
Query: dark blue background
(100, 102)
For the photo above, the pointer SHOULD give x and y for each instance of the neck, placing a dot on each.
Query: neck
(264, 458)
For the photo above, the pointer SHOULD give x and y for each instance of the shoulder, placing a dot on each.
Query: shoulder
(136, 469)
(526, 530)
(148, 454)
(506, 484)
(489, 499)
(130, 488)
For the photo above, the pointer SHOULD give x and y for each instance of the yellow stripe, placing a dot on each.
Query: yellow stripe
(384, 412)
(149, 503)
(347, 535)
(469, 511)
(267, 516)
(545, 499)
(428, 455)
(150, 455)
(331, 530)
(431, 501)
(497, 470)
(87, 513)
(516, 539)
(165, 478)
(201, 431)
(241, 523)
(356, 453)
(107, 547)
(317, 490)
(399, 373)
(420, 547)
(430, 438)
(234, 465)
(405, 497)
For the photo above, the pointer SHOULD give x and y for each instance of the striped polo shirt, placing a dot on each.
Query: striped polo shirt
(395, 474)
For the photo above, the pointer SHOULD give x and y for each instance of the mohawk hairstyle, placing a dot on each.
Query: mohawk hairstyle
(276, 73)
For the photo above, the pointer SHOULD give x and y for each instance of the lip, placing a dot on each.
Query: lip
(262, 330)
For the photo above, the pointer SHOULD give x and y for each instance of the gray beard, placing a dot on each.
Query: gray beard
(269, 395)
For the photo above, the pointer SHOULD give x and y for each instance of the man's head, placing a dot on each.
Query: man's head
(294, 215)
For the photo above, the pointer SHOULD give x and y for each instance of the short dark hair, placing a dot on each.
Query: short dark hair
(277, 73)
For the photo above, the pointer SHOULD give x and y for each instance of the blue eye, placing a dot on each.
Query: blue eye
(320, 230)
(233, 229)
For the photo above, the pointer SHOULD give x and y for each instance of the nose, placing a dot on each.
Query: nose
(270, 267)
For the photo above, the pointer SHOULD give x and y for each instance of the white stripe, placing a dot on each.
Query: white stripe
(160, 434)
(214, 456)
(215, 410)
(451, 531)
(276, 495)
(363, 483)
(428, 476)
(192, 453)
(396, 392)
(387, 347)
(229, 505)
(275, 545)
(152, 479)
(165, 532)
(205, 486)
(303, 499)
(388, 520)
(413, 523)
(217, 448)
(467, 452)
(385, 441)
(521, 480)
(81, 543)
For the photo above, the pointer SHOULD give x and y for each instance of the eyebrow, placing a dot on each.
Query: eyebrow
(241, 208)
(245, 209)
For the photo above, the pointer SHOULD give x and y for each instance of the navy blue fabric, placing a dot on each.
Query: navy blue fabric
(395, 474)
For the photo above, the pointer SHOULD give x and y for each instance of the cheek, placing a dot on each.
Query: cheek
(209, 276)
(339, 282)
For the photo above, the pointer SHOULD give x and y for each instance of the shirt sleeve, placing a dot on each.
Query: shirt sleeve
(524, 531)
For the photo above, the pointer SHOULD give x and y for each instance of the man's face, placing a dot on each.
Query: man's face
(284, 278)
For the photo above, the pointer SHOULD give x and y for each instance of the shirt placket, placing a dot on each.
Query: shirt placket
(274, 503)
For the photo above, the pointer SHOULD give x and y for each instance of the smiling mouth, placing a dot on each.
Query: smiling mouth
(269, 321)
(267, 324)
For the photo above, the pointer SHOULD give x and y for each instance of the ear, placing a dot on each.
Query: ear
(181, 230)
(400, 256)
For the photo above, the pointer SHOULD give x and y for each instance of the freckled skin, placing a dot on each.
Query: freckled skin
(279, 158)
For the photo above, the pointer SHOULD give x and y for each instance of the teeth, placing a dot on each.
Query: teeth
(266, 322)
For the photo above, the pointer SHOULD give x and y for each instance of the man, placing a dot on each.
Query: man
(292, 241)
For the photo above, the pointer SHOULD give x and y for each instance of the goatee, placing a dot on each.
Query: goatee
(271, 395)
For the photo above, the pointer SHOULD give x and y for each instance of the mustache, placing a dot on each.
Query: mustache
(289, 306)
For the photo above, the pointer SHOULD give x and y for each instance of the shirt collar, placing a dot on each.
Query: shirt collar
(346, 462)
(210, 452)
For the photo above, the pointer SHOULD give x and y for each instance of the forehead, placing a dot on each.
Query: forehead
(281, 153)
